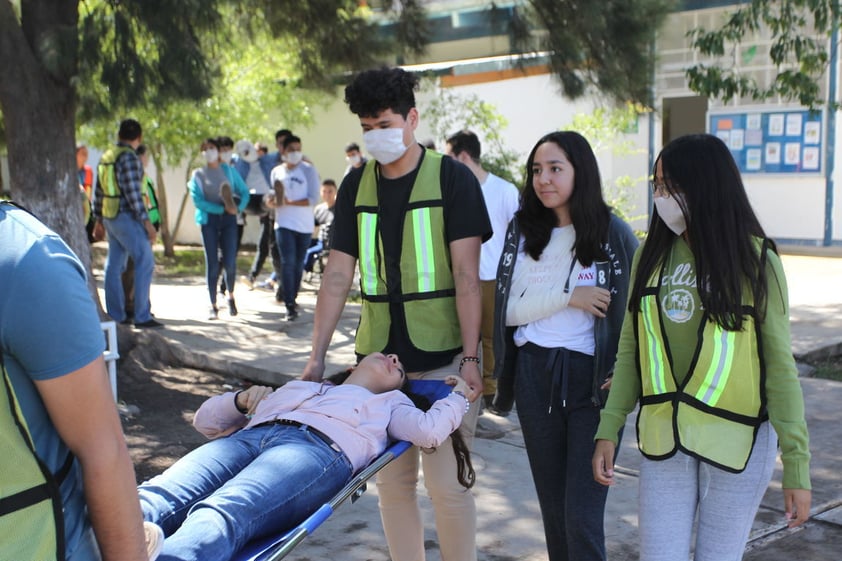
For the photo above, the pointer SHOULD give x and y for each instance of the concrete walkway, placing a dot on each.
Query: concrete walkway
(258, 345)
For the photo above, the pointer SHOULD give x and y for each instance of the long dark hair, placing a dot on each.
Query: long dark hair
(588, 210)
(722, 229)
(465, 473)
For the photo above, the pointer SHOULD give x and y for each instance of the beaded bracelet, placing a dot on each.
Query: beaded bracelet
(467, 402)
(468, 359)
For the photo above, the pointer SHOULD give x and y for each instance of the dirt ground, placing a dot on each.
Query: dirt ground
(158, 402)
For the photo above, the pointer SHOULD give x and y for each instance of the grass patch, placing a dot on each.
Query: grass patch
(189, 261)
(829, 369)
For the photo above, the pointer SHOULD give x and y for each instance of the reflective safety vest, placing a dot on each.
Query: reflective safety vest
(31, 519)
(150, 200)
(425, 288)
(714, 414)
(108, 180)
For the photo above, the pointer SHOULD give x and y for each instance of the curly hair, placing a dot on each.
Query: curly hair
(373, 91)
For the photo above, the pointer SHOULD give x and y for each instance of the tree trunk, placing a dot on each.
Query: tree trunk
(38, 62)
(163, 205)
(184, 198)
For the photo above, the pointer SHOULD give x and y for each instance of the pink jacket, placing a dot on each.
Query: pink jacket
(361, 423)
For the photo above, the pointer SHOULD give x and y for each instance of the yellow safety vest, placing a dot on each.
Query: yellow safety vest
(426, 289)
(108, 180)
(31, 518)
(715, 413)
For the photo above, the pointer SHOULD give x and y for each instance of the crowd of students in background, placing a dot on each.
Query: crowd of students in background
(238, 180)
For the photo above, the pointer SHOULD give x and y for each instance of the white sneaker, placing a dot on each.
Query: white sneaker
(154, 540)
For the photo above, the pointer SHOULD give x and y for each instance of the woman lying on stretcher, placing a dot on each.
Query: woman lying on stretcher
(299, 445)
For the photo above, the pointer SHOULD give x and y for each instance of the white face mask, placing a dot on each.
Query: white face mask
(353, 160)
(211, 155)
(226, 156)
(293, 157)
(385, 145)
(669, 209)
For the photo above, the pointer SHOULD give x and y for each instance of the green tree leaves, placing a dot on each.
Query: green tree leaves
(799, 31)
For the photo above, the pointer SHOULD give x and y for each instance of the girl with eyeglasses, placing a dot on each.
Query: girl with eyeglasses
(705, 351)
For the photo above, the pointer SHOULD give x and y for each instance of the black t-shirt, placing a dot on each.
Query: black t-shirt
(465, 216)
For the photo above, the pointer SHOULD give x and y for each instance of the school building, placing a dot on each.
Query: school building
(786, 153)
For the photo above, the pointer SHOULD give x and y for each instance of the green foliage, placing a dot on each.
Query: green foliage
(449, 112)
(605, 44)
(829, 368)
(799, 51)
(152, 53)
(144, 53)
(604, 129)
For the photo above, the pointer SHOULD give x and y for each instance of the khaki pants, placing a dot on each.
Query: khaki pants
(489, 384)
(453, 505)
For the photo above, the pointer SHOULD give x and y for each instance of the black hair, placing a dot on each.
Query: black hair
(141, 150)
(588, 210)
(225, 142)
(329, 182)
(291, 139)
(465, 473)
(373, 91)
(465, 141)
(282, 132)
(129, 130)
(213, 141)
(352, 146)
(722, 230)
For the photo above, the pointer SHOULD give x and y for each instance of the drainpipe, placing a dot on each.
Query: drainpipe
(831, 128)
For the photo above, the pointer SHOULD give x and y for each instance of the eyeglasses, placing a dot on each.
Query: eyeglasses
(659, 189)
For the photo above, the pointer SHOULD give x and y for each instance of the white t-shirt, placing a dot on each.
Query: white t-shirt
(255, 180)
(300, 182)
(570, 328)
(501, 200)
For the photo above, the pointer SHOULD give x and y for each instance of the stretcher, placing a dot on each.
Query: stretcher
(274, 548)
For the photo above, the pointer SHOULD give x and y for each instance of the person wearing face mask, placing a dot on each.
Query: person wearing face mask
(353, 157)
(414, 222)
(226, 158)
(247, 163)
(296, 191)
(705, 351)
(213, 188)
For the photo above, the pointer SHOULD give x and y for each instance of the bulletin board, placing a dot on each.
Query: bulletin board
(782, 141)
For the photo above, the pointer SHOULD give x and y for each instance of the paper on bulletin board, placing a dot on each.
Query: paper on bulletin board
(778, 141)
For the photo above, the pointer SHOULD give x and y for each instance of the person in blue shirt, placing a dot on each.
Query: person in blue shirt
(51, 346)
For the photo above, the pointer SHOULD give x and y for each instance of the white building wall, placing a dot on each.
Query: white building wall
(791, 207)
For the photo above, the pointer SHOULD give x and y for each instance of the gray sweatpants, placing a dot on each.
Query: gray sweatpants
(674, 492)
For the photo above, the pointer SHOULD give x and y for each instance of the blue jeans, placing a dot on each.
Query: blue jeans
(316, 247)
(293, 248)
(258, 481)
(127, 238)
(560, 445)
(220, 233)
